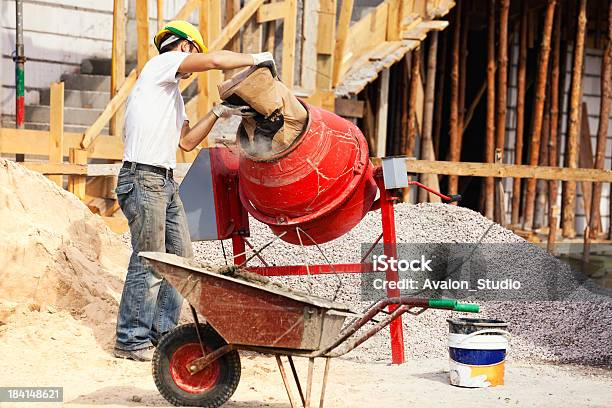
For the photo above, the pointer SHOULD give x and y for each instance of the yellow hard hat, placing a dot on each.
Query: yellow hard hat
(181, 29)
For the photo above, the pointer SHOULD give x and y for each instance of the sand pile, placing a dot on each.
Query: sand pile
(54, 253)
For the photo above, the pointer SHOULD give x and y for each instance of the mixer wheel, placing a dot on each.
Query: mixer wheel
(211, 387)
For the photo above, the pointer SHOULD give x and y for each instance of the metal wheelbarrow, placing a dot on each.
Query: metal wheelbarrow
(198, 364)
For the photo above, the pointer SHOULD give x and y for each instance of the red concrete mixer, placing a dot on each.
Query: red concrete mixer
(317, 189)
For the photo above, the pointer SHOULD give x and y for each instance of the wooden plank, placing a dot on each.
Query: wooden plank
(310, 22)
(326, 27)
(188, 8)
(77, 184)
(142, 32)
(573, 124)
(381, 116)
(118, 63)
(326, 31)
(394, 20)
(36, 143)
(427, 148)
(383, 49)
(507, 170)
(289, 38)
(57, 169)
(272, 11)
(434, 25)
(56, 128)
(585, 159)
(160, 14)
(349, 108)
(210, 24)
(342, 33)
(90, 135)
(418, 34)
(363, 36)
(252, 36)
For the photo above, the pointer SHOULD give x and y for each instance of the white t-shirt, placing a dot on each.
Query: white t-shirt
(155, 113)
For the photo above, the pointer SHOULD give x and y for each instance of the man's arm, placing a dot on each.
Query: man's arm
(221, 59)
(191, 137)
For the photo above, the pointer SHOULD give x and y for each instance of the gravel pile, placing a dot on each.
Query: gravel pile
(574, 330)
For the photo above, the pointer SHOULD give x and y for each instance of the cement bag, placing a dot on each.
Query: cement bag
(280, 118)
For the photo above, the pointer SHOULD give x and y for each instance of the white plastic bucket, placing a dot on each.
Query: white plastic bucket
(477, 360)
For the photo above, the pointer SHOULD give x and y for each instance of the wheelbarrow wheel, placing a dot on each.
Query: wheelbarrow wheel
(211, 387)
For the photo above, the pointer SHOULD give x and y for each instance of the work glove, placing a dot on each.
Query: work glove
(225, 110)
(265, 59)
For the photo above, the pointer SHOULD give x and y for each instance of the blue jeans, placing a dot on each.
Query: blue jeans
(150, 306)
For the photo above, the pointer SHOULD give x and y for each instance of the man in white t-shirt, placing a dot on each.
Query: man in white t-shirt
(155, 126)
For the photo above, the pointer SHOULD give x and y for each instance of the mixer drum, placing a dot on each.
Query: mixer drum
(322, 185)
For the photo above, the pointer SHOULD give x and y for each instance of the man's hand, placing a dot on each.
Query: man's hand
(265, 59)
(262, 57)
(226, 110)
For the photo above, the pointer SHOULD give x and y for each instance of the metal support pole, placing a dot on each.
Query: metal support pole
(390, 250)
(19, 59)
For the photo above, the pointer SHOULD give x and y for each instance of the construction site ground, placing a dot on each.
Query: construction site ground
(62, 272)
(56, 349)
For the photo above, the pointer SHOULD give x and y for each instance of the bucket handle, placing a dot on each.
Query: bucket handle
(476, 333)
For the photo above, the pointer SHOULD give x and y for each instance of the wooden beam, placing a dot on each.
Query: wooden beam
(502, 75)
(326, 30)
(427, 148)
(454, 148)
(342, 31)
(520, 111)
(394, 20)
(36, 142)
(507, 170)
(538, 114)
(252, 36)
(289, 38)
(500, 207)
(310, 22)
(188, 8)
(142, 33)
(490, 114)
(585, 159)
(381, 116)
(602, 127)
(210, 25)
(272, 11)
(160, 14)
(56, 128)
(118, 63)
(57, 169)
(573, 126)
(415, 81)
(553, 155)
(77, 183)
(90, 135)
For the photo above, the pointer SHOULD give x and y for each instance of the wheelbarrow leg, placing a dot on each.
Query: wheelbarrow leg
(309, 382)
(297, 380)
(324, 385)
(281, 367)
